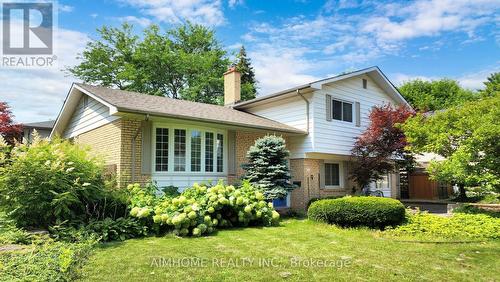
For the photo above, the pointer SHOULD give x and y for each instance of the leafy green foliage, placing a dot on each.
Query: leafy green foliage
(267, 167)
(53, 181)
(435, 95)
(47, 260)
(200, 210)
(460, 226)
(467, 136)
(105, 230)
(471, 209)
(187, 62)
(492, 86)
(10, 234)
(248, 82)
(358, 211)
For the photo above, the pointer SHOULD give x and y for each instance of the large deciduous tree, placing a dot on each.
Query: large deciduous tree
(467, 136)
(187, 62)
(267, 167)
(248, 83)
(381, 147)
(9, 131)
(435, 95)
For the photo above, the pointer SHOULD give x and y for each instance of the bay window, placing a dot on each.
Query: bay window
(180, 150)
(189, 150)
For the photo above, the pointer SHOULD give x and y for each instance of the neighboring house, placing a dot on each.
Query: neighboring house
(43, 129)
(176, 142)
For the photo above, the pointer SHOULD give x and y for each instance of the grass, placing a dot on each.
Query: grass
(350, 254)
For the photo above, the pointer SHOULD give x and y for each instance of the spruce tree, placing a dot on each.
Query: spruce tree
(267, 167)
(248, 82)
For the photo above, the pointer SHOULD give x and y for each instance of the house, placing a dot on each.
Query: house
(43, 128)
(175, 142)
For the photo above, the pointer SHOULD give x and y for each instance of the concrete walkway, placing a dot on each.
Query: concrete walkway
(436, 207)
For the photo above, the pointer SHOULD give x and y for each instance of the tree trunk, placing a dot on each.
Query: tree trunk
(461, 192)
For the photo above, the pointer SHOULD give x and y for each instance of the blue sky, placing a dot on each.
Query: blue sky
(290, 42)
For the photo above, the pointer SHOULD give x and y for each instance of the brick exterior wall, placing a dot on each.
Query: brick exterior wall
(307, 171)
(113, 141)
(244, 140)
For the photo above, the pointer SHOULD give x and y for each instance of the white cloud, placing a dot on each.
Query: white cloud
(65, 8)
(233, 3)
(141, 21)
(430, 18)
(174, 11)
(38, 94)
(335, 39)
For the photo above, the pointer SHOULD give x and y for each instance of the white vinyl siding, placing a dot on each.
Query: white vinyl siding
(290, 111)
(335, 136)
(89, 114)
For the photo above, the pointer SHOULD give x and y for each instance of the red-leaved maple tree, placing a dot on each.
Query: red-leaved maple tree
(381, 146)
(8, 130)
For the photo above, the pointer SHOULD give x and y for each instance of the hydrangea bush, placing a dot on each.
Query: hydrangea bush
(200, 210)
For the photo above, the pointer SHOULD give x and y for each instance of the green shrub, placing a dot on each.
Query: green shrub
(54, 181)
(10, 234)
(46, 260)
(312, 200)
(200, 209)
(470, 209)
(170, 191)
(358, 211)
(105, 230)
(460, 226)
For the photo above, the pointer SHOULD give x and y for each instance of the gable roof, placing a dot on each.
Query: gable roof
(134, 102)
(49, 124)
(373, 72)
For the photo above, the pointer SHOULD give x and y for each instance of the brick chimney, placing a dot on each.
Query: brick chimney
(232, 86)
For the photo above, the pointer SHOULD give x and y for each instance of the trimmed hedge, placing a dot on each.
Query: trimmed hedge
(373, 212)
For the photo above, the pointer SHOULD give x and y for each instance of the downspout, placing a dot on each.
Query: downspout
(307, 108)
(134, 141)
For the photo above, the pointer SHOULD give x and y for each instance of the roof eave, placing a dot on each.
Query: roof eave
(134, 111)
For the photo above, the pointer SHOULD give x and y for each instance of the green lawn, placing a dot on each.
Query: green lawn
(240, 255)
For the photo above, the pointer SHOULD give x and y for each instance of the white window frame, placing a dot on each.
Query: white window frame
(373, 184)
(341, 175)
(342, 114)
(171, 127)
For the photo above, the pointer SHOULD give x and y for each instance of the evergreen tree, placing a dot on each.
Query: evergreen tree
(492, 85)
(267, 167)
(248, 82)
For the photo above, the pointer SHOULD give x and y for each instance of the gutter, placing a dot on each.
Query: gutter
(307, 108)
(134, 141)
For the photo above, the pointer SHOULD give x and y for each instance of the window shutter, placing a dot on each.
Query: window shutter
(358, 114)
(322, 174)
(146, 147)
(328, 107)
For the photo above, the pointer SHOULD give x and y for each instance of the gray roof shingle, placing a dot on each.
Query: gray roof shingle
(133, 102)
(42, 124)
